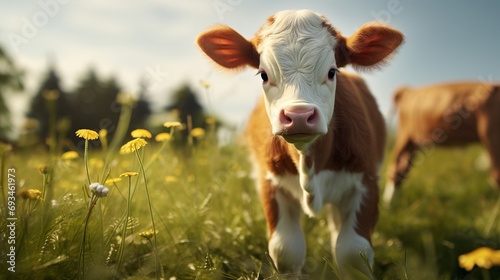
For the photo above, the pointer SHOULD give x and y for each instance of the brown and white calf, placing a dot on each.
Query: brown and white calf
(309, 154)
(444, 115)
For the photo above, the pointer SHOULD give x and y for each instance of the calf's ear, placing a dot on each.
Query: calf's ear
(228, 48)
(370, 46)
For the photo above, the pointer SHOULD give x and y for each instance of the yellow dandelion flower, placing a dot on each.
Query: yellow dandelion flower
(126, 99)
(5, 148)
(483, 257)
(35, 194)
(112, 180)
(87, 134)
(96, 163)
(32, 194)
(148, 234)
(164, 136)
(133, 145)
(103, 133)
(171, 179)
(50, 94)
(69, 155)
(210, 120)
(138, 133)
(44, 169)
(198, 132)
(129, 174)
(172, 124)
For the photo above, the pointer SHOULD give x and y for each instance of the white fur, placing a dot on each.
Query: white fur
(344, 191)
(388, 192)
(287, 245)
(296, 53)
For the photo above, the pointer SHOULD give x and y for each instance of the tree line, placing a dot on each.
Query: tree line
(92, 104)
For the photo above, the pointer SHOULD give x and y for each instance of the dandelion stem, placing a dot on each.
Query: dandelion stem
(125, 225)
(86, 159)
(81, 261)
(493, 217)
(155, 248)
(2, 167)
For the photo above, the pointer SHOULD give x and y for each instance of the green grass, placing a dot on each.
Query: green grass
(210, 224)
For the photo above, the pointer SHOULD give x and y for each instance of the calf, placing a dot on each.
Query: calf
(309, 154)
(444, 115)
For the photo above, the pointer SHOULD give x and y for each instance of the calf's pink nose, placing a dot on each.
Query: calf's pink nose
(299, 120)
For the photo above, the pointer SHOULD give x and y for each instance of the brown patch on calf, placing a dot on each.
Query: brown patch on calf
(270, 205)
(356, 137)
(367, 215)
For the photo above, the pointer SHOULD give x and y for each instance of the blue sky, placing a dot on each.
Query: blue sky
(446, 40)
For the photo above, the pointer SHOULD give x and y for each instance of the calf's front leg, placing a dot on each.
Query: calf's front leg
(287, 245)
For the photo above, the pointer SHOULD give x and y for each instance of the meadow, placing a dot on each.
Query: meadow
(192, 212)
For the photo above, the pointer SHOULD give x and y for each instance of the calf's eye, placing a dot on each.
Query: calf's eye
(331, 73)
(264, 77)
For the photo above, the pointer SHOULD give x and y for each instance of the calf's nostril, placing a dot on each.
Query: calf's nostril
(284, 118)
(312, 118)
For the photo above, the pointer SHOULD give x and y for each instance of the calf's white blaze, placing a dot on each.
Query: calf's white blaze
(296, 56)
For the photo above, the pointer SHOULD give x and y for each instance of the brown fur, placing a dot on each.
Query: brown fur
(445, 115)
(355, 142)
(356, 134)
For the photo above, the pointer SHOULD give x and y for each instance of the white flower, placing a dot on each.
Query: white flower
(104, 191)
(93, 187)
(98, 189)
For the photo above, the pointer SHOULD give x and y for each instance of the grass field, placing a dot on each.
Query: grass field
(209, 220)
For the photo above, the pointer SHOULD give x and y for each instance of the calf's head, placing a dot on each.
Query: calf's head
(298, 54)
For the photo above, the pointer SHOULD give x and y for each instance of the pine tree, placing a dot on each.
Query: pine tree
(188, 109)
(50, 106)
(11, 80)
(94, 104)
(142, 109)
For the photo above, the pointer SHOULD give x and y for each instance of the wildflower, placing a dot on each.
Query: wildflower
(482, 257)
(138, 133)
(161, 137)
(198, 132)
(210, 120)
(126, 99)
(51, 94)
(148, 234)
(5, 148)
(103, 133)
(44, 169)
(32, 194)
(128, 174)
(170, 179)
(87, 134)
(98, 189)
(133, 145)
(112, 180)
(96, 163)
(172, 124)
(69, 155)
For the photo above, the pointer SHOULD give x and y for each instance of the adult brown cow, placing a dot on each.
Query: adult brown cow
(444, 115)
(309, 154)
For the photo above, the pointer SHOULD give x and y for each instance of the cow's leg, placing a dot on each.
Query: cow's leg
(287, 245)
(351, 222)
(490, 137)
(404, 151)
